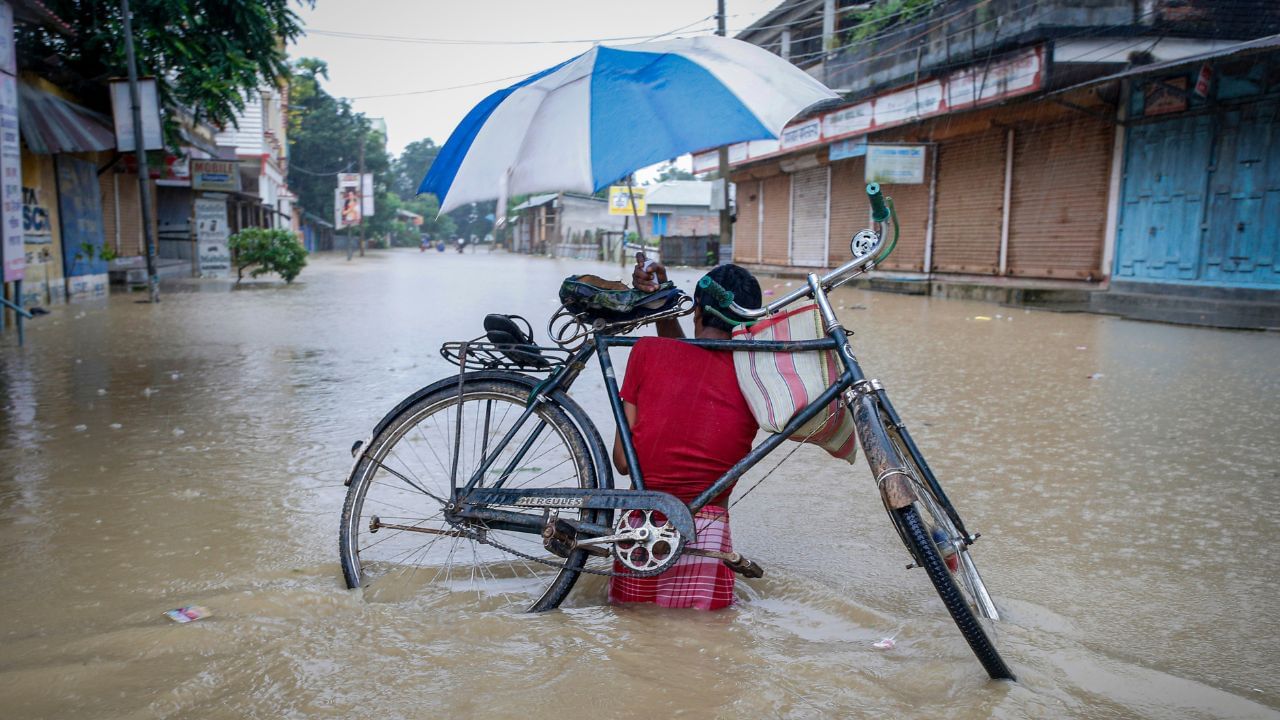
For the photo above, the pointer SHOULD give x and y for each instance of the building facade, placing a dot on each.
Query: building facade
(1033, 140)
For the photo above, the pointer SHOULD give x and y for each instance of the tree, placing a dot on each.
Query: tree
(671, 172)
(324, 140)
(412, 165)
(206, 55)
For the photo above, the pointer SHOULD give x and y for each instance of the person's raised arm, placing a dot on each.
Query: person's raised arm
(646, 276)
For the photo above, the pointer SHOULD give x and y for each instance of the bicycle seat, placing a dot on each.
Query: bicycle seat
(517, 342)
(612, 301)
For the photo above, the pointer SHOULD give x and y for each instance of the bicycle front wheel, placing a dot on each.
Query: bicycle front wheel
(395, 540)
(934, 542)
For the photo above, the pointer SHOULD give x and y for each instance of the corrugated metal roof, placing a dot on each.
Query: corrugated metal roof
(535, 201)
(680, 192)
(51, 125)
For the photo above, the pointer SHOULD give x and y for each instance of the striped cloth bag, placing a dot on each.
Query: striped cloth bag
(777, 385)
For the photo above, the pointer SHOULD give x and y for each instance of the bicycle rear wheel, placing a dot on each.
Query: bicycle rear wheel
(395, 540)
(935, 544)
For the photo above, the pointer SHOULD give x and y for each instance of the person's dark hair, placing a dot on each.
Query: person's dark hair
(743, 285)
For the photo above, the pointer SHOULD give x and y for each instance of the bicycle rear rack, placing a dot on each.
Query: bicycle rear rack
(480, 354)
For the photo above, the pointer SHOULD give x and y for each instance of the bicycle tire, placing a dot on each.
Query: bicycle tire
(887, 454)
(581, 446)
(923, 548)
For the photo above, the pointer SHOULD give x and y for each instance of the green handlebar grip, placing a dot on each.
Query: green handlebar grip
(879, 212)
(722, 297)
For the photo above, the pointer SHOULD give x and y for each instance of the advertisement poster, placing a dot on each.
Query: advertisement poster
(621, 199)
(895, 164)
(80, 211)
(211, 237)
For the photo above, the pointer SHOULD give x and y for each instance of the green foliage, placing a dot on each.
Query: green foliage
(324, 139)
(264, 250)
(671, 172)
(408, 170)
(88, 251)
(884, 14)
(206, 55)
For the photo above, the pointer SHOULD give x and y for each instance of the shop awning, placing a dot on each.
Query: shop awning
(1251, 47)
(51, 125)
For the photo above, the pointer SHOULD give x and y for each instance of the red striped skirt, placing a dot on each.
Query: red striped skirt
(694, 581)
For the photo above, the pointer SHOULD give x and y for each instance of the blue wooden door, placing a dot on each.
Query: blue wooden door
(1244, 199)
(1162, 202)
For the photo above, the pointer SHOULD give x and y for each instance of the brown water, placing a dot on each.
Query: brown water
(193, 453)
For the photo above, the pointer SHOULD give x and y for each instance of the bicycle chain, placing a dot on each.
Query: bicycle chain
(480, 538)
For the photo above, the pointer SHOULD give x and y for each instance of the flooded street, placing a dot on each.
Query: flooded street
(1125, 478)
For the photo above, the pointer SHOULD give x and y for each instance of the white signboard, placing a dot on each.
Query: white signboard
(211, 238)
(366, 196)
(737, 153)
(856, 118)
(122, 114)
(895, 164)
(806, 133)
(1016, 75)
(909, 104)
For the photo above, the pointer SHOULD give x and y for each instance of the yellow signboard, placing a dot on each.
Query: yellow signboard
(621, 197)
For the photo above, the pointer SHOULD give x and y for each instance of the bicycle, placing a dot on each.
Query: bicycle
(493, 503)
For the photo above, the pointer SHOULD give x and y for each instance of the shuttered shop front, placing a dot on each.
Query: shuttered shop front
(850, 212)
(970, 203)
(777, 219)
(746, 227)
(1058, 206)
(809, 217)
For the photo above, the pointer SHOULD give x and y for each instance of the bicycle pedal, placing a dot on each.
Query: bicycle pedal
(744, 566)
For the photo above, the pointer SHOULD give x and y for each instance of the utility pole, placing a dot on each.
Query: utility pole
(726, 219)
(139, 150)
(364, 140)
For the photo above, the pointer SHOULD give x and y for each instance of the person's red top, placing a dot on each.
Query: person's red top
(692, 423)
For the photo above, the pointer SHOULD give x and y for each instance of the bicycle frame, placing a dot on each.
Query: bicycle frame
(852, 385)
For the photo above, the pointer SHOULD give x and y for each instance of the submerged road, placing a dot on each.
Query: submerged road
(1125, 477)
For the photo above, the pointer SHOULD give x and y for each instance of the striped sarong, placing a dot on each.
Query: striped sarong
(694, 581)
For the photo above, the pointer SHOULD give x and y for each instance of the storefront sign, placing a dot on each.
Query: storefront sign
(1203, 80)
(808, 132)
(895, 164)
(982, 84)
(854, 119)
(366, 195)
(6, 39)
(216, 175)
(211, 238)
(1165, 96)
(910, 104)
(621, 199)
(848, 148)
(12, 251)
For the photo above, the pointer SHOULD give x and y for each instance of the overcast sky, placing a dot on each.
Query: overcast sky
(385, 74)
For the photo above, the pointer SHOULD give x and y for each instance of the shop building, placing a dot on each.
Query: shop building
(1008, 141)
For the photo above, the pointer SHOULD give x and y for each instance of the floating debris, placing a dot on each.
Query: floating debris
(188, 614)
(981, 318)
(81, 428)
(115, 426)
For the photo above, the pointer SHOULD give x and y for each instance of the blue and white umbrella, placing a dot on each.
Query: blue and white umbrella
(598, 117)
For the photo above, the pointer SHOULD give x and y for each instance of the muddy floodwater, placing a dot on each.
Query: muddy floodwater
(1125, 478)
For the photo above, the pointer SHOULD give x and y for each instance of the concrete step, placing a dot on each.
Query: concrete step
(1183, 309)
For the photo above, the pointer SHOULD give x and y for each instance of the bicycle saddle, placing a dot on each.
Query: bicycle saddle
(517, 342)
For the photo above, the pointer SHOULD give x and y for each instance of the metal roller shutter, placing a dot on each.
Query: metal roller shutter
(746, 228)
(849, 211)
(1058, 204)
(966, 238)
(777, 219)
(912, 204)
(809, 217)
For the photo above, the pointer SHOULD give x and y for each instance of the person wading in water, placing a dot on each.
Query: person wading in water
(690, 424)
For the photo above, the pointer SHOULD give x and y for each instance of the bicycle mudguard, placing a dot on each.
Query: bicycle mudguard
(590, 498)
(893, 480)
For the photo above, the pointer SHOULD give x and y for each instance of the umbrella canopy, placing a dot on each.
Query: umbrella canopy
(591, 120)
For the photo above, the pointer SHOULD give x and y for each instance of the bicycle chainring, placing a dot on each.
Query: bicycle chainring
(656, 545)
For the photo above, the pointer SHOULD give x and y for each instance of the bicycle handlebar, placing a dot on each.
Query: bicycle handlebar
(881, 209)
